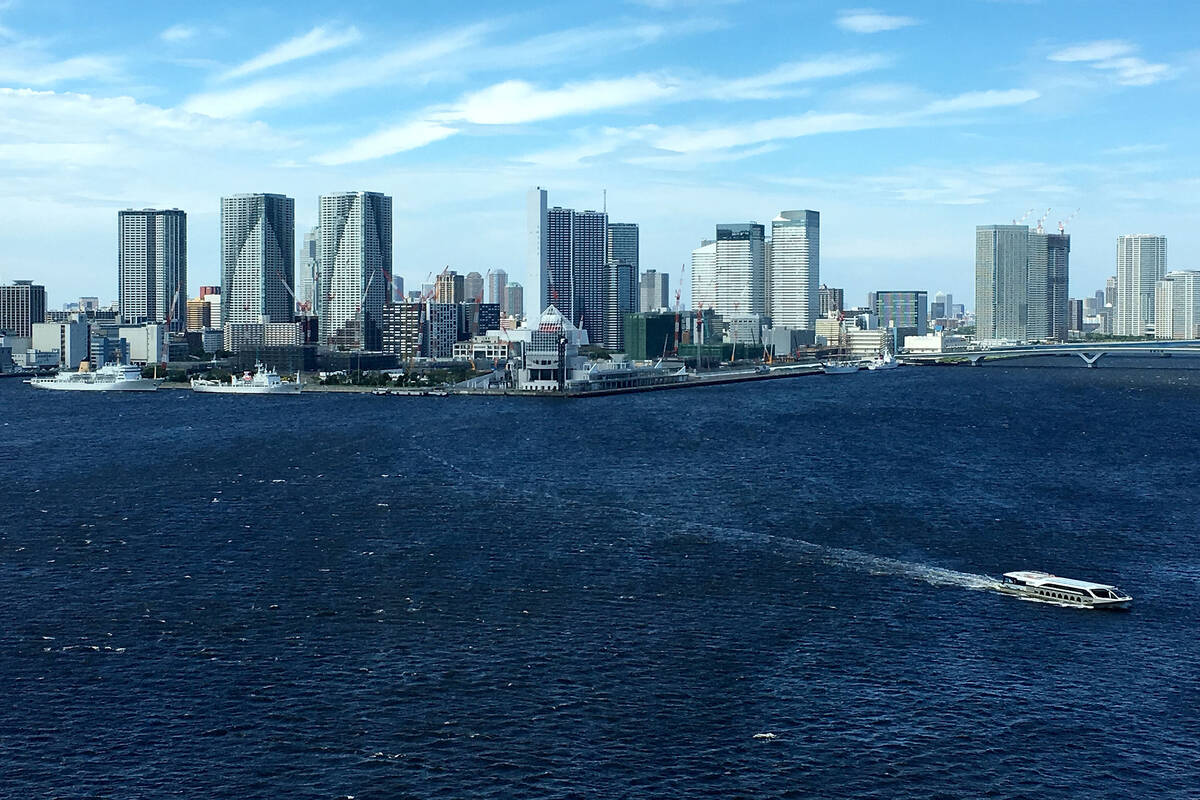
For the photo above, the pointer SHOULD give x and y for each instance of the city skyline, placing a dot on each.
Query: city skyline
(865, 123)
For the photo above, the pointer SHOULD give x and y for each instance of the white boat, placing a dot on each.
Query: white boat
(109, 378)
(883, 361)
(261, 381)
(1047, 588)
(839, 367)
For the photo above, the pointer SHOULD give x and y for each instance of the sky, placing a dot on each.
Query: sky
(905, 124)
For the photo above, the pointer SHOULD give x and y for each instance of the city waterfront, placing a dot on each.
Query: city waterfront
(512, 597)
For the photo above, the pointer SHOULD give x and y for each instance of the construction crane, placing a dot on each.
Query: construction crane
(1042, 219)
(1062, 224)
(1024, 217)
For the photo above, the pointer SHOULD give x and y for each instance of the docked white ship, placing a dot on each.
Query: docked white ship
(1047, 588)
(261, 381)
(839, 367)
(109, 378)
(884, 360)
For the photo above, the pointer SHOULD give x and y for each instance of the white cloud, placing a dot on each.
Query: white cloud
(346, 75)
(1115, 58)
(514, 102)
(177, 33)
(1093, 51)
(865, 20)
(767, 84)
(27, 65)
(974, 101)
(320, 39)
(389, 141)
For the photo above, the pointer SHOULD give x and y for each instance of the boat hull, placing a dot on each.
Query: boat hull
(838, 369)
(225, 388)
(142, 385)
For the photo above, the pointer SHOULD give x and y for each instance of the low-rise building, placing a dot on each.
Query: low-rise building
(939, 342)
(69, 339)
(147, 343)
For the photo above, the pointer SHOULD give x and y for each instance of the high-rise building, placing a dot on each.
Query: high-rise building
(622, 246)
(621, 299)
(1075, 314)
(402, 324)
(514, 300)
(497, 283)
(704, 275)
(449, 287)
(1141, 263)
(1001, 279)
(199, 314)
(795, 269)
(829, 300)
(441, 329)
(1046, 293)
(356, 269)
(258, 258)
(152, 266)
(397, 287)
(538, 244)
(22, 305)
(1110, 291)
(308, 268)
(473, 287)
(568, 248)
(654, 291)
(906, 311)
(728, 275)
(1177, 305)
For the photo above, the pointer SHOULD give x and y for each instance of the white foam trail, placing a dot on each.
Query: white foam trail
(839, 556)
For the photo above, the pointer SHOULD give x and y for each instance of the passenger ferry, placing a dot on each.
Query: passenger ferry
(1047, 588)
(109, 378)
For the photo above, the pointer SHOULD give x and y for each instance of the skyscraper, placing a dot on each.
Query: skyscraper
(1141, 263)
(308, 269)
(1177, 305)
(537, 244)
(22, 305)
(449, 287)
(473, 287)
(1001, 276)
(728, 275)
(654, 291)
(829, 300)
(258, 258)
(795, 269)
(621, 299)
(1046, 292)
(497, 283)
(1058, 255)
(152, 266)
(623, 243)
(906, 311)
(356, 269)
(589, 267)
(514, 300)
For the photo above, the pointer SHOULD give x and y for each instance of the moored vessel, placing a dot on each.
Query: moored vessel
(261, 381)
(1047, 588)
(884, 360)
(839, 367)
(109, 378)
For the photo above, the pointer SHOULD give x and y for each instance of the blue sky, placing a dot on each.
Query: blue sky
(905, 124)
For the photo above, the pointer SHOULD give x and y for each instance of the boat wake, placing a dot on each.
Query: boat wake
(837, 556)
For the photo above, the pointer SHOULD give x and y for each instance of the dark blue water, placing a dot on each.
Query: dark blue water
(335, 595)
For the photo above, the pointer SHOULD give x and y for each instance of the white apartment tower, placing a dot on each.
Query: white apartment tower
(1001, 281)
(729, 274)
(1141, 263)
(152, 266)
(794, 269)
(258, 258)
(356, 269)
(1177, 305)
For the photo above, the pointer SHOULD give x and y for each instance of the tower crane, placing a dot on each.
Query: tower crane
(1062, 224)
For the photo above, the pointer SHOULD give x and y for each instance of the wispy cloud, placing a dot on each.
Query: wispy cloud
(27, 65)
(767, 84)
(865, 20)
(514, 102)
(1115, 58)
(346, 75)
(389, 141)
(320, 39)
(177, 33)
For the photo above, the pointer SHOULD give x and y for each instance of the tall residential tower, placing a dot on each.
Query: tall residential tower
(1141, 263)
(152, 266)
(356, 269)
(258, 258)
(795, 269)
